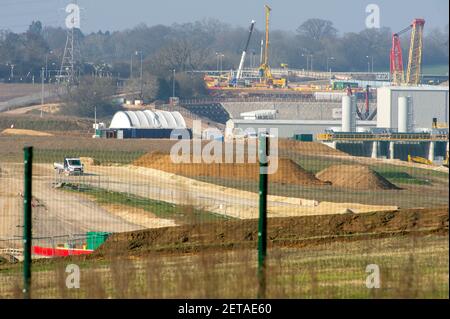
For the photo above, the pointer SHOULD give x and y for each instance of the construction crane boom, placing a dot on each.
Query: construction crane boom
(266, 51)
(415, 53)
(244, 53)
(397, 72)
(414, 67)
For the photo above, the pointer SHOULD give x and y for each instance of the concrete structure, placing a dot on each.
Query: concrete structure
(428, 102)
(404, 111)
(348, 114)
(288, 128)
(391, 145)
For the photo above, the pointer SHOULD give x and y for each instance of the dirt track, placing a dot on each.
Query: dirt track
(56, 213)
(159, 185)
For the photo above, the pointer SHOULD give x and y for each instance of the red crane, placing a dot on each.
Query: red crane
(415, 55)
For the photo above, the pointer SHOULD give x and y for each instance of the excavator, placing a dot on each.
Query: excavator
(267, 79)
(419, 160)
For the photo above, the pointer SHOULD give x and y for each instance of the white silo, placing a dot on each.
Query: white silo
(348, 113)
(404, 103)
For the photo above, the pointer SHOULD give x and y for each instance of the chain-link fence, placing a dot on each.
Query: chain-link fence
(136, 224)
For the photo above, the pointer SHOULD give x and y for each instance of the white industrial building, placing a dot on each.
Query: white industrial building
(425, 103)
(147, 120)
(289, 128)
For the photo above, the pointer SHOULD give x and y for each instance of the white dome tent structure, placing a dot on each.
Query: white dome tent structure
(144, 124)
(147, 120)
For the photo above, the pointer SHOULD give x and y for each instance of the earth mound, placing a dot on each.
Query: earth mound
(11, 131)
(288, 172)
(355, 177)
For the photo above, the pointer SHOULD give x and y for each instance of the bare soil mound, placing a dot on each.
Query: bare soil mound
(355, 177)
(11, 131)
(308, 148)
(292, 231)
(288, 172)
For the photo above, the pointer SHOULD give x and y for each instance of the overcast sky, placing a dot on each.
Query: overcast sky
(347, 15)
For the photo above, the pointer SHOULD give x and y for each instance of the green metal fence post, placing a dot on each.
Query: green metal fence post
(27, 197)
(262, 224)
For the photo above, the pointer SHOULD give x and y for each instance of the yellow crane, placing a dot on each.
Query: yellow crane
(415, 53)
(414, 67)
(264, 68)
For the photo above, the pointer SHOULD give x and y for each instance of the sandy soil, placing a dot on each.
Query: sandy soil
(11, 131)
(56, 213)
(287, 171)
(354, 177)
(160, 185)
(138, 216)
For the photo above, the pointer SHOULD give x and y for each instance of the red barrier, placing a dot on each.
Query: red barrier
(59, 252)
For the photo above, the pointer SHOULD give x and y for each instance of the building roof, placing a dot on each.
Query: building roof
(147, 120)
(415, 88)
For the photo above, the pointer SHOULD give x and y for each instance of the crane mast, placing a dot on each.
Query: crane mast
(266, 50)
(264, 69)
(244, 53)
(414, 67)
(415, 53)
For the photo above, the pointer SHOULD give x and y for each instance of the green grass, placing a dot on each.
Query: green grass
(102, 156)
(409, 175)
(409, 268)
(44, 124)
(181, 214)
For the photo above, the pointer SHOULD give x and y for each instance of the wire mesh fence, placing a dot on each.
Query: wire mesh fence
(137, 225)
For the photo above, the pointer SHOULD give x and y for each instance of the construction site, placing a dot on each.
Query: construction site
(361, 179)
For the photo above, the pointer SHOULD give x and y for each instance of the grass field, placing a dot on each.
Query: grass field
(409, 268)
(419, 187)
(180, 214)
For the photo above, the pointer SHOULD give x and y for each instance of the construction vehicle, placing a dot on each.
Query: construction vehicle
(414, 68)
(267, 79)
(70, 166)
(419, 160)
(235, 80)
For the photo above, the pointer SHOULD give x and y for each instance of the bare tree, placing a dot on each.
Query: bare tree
(317, 29)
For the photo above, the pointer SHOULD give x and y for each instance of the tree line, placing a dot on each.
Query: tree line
(201, 45)
(206, 45)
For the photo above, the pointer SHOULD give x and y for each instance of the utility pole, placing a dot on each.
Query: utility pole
(173, 84)
(131, 67)
(142, 74)
(218, 60)
(42, 90)
(368, 63)
(46, 64)
(328, 64)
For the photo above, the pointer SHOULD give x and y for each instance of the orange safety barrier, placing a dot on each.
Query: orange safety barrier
(59, 252)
